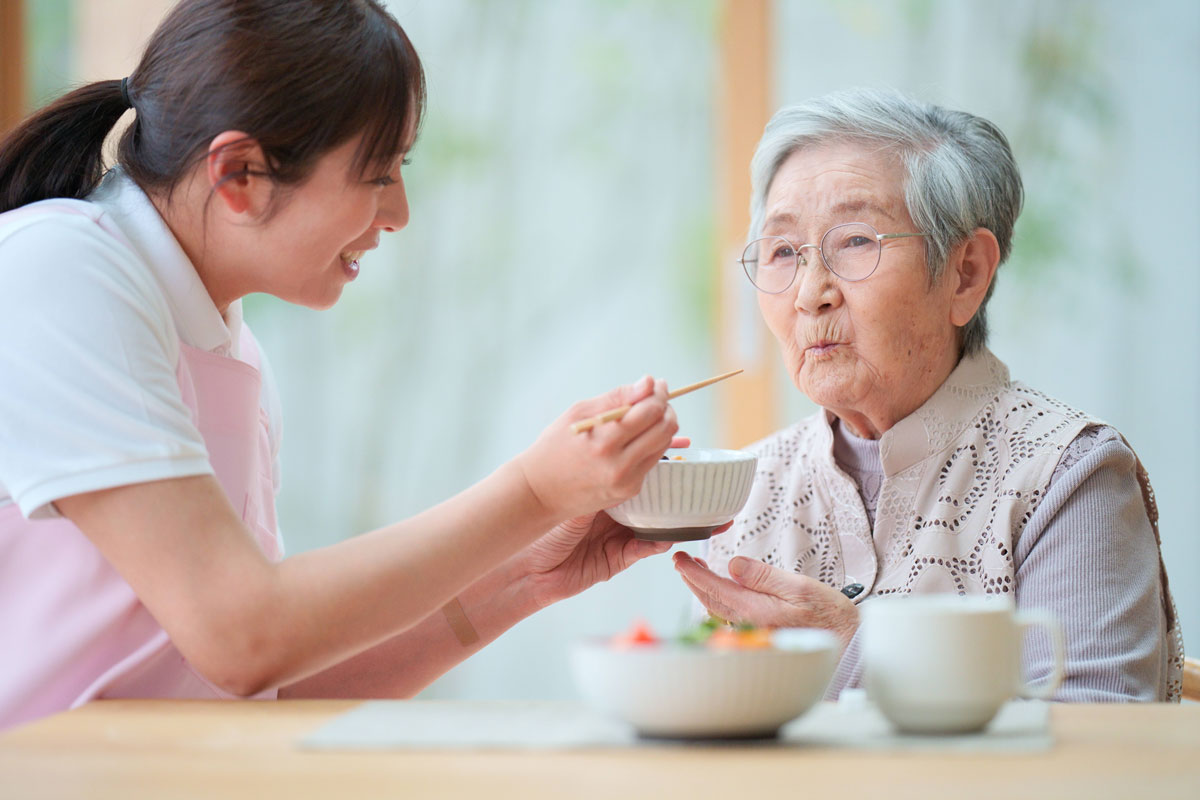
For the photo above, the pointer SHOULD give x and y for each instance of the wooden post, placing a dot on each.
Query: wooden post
(12, 63)
(746, 405)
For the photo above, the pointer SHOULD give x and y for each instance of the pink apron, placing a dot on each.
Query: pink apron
(73, 629)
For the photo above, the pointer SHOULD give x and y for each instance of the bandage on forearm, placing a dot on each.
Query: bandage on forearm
(456, 617)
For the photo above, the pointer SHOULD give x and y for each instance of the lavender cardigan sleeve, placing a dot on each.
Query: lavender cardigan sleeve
(1088, 555)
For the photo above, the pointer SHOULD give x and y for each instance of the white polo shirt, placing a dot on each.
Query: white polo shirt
(89, 344)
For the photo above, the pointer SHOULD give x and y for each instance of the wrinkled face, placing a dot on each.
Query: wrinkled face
(325, 224)
(870, 351)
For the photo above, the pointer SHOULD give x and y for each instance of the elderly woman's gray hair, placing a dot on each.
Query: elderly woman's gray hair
(961, 174)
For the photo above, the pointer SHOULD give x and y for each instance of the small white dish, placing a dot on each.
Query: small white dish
(688, 495)
(674, 690)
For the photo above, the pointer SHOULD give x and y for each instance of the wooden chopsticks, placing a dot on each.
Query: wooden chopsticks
(617, 413)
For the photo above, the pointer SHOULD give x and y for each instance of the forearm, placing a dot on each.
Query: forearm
(363, 592)
(565, 561)
(248, 624)
(407, 663)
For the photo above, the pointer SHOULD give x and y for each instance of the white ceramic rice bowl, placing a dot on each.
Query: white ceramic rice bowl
(690, 691)
(687, 499)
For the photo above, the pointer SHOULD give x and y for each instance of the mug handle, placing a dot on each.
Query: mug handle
(1027, 621)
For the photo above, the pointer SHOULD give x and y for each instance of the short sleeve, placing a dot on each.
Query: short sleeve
(89, 397)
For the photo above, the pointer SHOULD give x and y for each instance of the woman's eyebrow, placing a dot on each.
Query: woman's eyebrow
(782, 219)
(790, 219)
(860, 205)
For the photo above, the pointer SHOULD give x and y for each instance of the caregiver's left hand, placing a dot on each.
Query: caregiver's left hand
(579, 553)
(582, 552)
(766, 596)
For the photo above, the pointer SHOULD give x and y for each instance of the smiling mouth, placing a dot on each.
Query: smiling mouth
(349, 261)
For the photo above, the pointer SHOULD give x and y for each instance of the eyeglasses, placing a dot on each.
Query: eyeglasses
(851, 251)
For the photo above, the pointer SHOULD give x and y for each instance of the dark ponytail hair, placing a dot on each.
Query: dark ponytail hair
(57, 151)
(301, 77)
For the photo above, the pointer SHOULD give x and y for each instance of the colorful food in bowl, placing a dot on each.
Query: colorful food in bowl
(688, 495)
(715, 682)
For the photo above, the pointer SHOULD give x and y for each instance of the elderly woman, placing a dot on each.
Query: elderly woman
(877, 226)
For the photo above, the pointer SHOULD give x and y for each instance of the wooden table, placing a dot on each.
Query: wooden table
(158, 749)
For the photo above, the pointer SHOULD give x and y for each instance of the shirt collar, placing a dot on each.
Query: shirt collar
(928, 430)
(197, 319)
(942, 418)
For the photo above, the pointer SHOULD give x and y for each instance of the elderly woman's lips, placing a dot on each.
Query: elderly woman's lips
(821, 348)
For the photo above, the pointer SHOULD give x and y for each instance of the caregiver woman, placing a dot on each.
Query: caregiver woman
(139, 555)
(877, 226)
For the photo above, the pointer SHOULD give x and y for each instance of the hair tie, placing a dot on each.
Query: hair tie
(125, 93)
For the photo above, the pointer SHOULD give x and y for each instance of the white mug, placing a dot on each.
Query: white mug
(942, 663)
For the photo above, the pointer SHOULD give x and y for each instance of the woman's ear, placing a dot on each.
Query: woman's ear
(972, 267)
(236, 168)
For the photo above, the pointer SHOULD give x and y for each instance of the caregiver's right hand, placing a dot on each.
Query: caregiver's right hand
(577, 473)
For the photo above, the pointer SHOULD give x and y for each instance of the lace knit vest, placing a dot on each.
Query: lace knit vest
(962, 476)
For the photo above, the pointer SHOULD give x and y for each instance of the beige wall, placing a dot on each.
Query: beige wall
(110, 35)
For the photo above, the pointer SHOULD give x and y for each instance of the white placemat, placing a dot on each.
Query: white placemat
(1021, 726)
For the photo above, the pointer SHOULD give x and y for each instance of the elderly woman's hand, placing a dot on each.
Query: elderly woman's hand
(763, 595)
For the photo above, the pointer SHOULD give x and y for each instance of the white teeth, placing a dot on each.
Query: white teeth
(352, 255)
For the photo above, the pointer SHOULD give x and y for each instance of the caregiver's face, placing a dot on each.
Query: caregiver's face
(870, 351)
(329, 221)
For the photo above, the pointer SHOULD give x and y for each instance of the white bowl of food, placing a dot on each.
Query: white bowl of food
(689, 690)
(688, 494)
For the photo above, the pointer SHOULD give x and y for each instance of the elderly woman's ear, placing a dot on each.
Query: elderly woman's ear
(970, 270)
